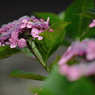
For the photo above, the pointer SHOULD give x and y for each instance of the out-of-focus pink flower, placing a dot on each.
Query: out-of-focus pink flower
(91, 50)
(92, 24)
(86, 49)
(76, 49)
(74, 72)
(36, 94)
(51, 30)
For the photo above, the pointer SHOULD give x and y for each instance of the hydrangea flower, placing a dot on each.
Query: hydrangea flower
(92, 24)
(74, 72)
(86, 49)
(17, 32)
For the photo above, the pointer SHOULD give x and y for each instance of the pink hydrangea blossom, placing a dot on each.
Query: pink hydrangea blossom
(21, 43)
(86, 49)
(35, 33)
(92, 24)
(51, 30)
(17, 32)
(26, 23)
(91, 50)
(74, 72)
(14, 41)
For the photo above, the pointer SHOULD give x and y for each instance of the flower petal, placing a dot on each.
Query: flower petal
(91, 24)
(22, 43)
(24, 21)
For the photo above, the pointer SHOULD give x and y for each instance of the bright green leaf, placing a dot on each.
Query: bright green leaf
(6, 51)
(26, 75)
(79, 23)
(51, 40)
(89, 13)
(53, 17)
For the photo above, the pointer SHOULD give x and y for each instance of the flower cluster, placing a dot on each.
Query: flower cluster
(17, 32)
(86, 49)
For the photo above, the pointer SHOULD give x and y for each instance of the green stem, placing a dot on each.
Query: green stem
(43, 64)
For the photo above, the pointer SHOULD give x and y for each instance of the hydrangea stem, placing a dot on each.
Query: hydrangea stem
(43, 64)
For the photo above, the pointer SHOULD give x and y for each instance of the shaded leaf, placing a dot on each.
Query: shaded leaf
(61, 15)
(28, 53)
(53, 17)
(65, 43)
(88, 33)
(79, 23)
(54, 62)
(51, 40)
(26, 75)
(89, 13)
(57, 84)
(6, 51)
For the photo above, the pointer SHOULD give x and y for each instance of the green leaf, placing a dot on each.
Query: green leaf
(79, 23)
(6, 51)
(53, 17)
(57, 84)
(28, 53)
(88, 33)
(89, 13)
(54, 62)
(66, 42)
(61, 15)
(26, 75)
(72, 61)
(51, 40)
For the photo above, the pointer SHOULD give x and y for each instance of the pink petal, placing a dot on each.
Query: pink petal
(11, 40)
(40, 38)
(91, 24)
(24, 21)
(47, 22)
(13, 45)
(51, 30)
(64, 69)
(74, 73)
(35, 31)
(93, 20)
(23, 25)
(42, 20)
(14, 35)
(29, 24)
(90, 56)
(22, 43)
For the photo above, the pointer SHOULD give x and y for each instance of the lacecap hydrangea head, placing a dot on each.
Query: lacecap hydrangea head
(85, 51)
(16, 33)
